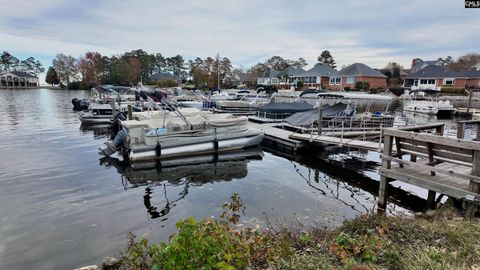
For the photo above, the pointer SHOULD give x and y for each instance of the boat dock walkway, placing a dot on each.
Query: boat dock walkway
(278, 137)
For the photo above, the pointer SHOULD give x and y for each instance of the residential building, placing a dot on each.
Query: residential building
(240, 78)
(359, 72)
(165, 76)
(18, 79)
(435, 77)
(281, 79)
(418, 64)
(321, 76)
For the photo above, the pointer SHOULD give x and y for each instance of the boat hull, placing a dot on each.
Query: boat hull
(208, 144)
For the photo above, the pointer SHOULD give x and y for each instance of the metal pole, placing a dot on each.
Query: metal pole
(469, 100)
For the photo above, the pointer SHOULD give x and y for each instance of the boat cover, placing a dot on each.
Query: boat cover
(285, 107)
(308, 117)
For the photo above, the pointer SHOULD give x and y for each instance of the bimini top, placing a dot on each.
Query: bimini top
(285, 107)
(309, 117)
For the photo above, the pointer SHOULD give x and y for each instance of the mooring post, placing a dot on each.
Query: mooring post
(431, 199)
(320, 117)
(460, 130)
(114, 110)
(386, 165)
(477, 137)
(129, 108)
(469, 100)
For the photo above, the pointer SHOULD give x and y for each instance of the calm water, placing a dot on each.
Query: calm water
(62, 206)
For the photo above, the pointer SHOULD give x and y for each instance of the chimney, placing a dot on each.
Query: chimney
(414, 62)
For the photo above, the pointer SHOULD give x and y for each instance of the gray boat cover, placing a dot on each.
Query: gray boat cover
(309, 117)
(285, 107)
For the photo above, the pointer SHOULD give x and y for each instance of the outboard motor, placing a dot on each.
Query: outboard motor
(116, 126)
(82, 105)
(74, 102)
(112, 147)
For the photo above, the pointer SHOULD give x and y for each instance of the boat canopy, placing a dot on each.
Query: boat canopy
(308, 117)
(312, 92)
(285, 107)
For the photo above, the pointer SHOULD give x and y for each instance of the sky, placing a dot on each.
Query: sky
(373, 32)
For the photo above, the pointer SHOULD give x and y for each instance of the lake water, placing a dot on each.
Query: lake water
(61, 206)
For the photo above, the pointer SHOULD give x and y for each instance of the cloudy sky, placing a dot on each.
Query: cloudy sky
(247, 31)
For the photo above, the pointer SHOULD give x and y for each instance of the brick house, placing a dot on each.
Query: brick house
(281, 79)
(321, 76)
(435, 77)
(359, 72)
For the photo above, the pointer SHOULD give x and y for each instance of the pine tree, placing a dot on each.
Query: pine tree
(52, 76)
(327, 59)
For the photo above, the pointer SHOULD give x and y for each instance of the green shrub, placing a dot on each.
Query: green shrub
(300, 84)
(77, 85)
(359, 86)
(347, 89)
(452, 90)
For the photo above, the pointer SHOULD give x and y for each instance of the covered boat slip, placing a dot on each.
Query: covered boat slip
(278, 111)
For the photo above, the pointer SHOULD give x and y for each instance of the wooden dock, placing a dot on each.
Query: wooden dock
(278, 137)
(439, 164)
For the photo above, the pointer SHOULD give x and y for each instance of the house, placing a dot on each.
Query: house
(240, 78)
(321, 76)
(281, 79)
(418, 64)
(359, 72)
(164, 76)
(18, 79)
(434, 77)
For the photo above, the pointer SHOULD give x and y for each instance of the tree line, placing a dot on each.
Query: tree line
(9, 62)
(129, 68)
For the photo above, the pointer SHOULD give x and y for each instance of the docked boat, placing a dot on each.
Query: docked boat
(438, 108)
(173, 134)
(99, 113)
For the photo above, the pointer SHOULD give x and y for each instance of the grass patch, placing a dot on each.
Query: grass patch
(367, 242)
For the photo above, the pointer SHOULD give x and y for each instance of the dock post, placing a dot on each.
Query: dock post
(129, 108)
(477, 137)
(469, 100)
(475, 187)
(386, 164)
(461, 130)
(114, 110)
(320, 117)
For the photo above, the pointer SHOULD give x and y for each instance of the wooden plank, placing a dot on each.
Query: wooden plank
(439, 146)
(428, 182)
(464, 144)
(437, 153)
(422, 167)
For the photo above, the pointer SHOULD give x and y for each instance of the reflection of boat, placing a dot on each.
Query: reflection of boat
(181, 173)
(99, 131)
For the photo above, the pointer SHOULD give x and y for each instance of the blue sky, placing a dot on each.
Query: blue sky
(249, 31)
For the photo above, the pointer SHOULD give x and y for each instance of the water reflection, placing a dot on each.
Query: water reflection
(166, 177)
(100, 131)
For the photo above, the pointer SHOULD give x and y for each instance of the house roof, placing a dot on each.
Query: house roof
(163, 75)
(434, 71)
(21, 74)
(319, 70)
(245, 77)
(359, 69)
(422, 64)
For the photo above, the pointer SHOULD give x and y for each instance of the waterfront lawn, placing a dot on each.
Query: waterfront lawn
(367, 242)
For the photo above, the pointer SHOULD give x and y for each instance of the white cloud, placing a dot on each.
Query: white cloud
(374, 32)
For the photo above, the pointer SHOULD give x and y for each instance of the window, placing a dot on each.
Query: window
(274, 81)
(261, 81)
(431, 81)
(415, 82)
(350, 80)
(448, 81)
(335, 80)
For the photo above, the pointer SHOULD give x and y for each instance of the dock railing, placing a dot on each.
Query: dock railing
(440, 164)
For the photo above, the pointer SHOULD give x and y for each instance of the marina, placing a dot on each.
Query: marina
(292, 174)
